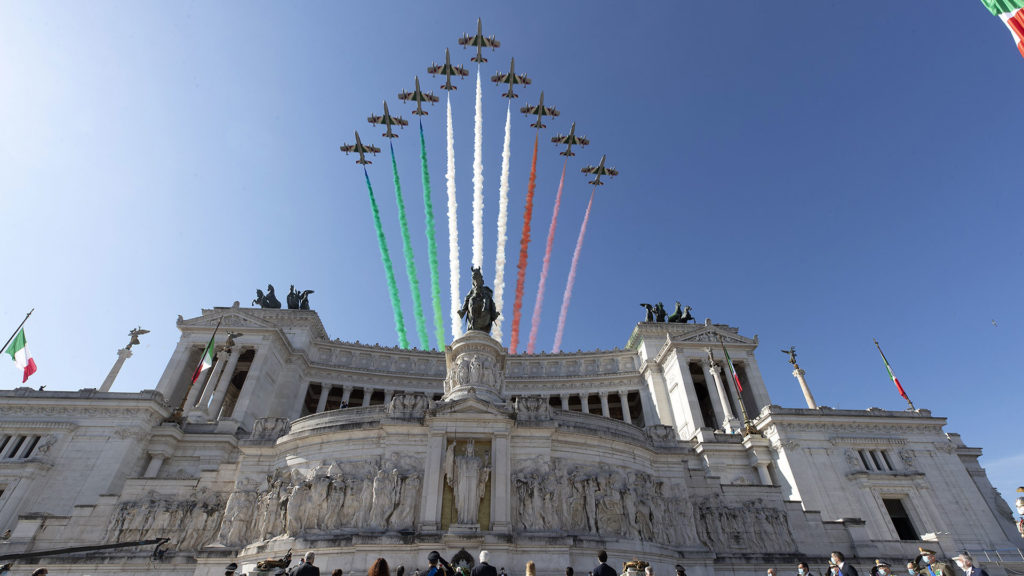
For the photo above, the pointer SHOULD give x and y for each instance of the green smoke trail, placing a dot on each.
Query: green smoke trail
(403, 341)
(410, 264)
(428, 209)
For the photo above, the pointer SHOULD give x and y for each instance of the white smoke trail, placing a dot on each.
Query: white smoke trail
(499, 257)
(453, 229)
(478, 177)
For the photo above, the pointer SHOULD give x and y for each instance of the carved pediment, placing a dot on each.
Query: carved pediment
(468, 406)
(711, 335)
(228, 319)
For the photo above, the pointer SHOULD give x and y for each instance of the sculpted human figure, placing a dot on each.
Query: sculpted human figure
(318, 498)
(478, 307)
(385, 494)
(410, 497)
(467, 474)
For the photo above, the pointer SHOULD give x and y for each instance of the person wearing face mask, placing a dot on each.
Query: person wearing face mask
(844, 569)
(833, 569)
(912, 568)
(932, 567)
(802, 569)
(966, 563)
(881, 569)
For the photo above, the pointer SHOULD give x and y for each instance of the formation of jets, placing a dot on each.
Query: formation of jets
(388, 121)
(479, 41)
(361, 149)
(419, 97)
(540, 110)
(448, 70)
(511, 78)
(569, 140)
(599, 171)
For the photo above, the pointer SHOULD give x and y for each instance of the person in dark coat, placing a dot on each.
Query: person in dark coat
(483, 568)
(603, 569)
(966, 563)
(306, 567)
(844, 568)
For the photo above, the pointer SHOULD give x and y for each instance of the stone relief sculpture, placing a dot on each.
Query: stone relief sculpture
(560, 497)
(467, 474)
(749, 526)
(195, 519)
(269, 428)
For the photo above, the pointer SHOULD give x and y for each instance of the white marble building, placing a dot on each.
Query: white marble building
(295, 440)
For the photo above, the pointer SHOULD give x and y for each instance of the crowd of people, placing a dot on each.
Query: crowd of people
(925, 564)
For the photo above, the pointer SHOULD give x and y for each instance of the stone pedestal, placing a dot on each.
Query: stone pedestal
(476, 368)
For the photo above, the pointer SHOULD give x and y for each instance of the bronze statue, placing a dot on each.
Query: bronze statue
(650, 312)
(659, 312)
(681, 315)
(268, 300)
(135, 337)
(230, 343)
(792, 354)
(298, 300)
(478, 308)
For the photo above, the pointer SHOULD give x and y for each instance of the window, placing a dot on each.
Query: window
(900, 518)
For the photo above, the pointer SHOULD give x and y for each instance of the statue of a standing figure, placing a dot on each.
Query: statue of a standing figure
(467, 475)
(478, 308)
(792, 354)
(135, 336)
(298, 300)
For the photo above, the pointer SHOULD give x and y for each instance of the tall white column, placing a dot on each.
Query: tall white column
(346, 391)
(367, 394)
(585, 402)
(604, 405)
(501, 506)
(122, 355)
(729, 423)
(321, 404)
(223, 358)
(625, 407)
(709, 380)
(224, 383)
(799, 373)
(565, 401)
(430, 498)
(387, 397)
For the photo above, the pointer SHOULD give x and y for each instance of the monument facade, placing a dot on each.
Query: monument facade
(294, 440)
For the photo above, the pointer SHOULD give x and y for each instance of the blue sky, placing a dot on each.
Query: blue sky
(815, 173)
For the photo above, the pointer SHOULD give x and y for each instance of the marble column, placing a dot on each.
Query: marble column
(625, 407)
(565, 401)
(321, 403)
(122, 355)
(367, 394)
(387, 397)
(224, 383)
(431, 496)
(585, 402)
(604, 405)
(799, 374)
(501, 506)
(156, 460)
(729, 422)
(346, 391)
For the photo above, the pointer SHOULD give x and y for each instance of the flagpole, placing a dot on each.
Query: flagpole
(893, 376)
(6, 344)
(212, 336)
(748, 426)
(178, 412)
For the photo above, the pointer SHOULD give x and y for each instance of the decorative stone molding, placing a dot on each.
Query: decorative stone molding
(661, 434)
(475, 367)
(532, 409)
(269, 428)
(408, 406)
(866, 441)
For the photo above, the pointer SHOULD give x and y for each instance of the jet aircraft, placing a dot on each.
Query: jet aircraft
(360, 149)
(448, 70)
(540, 110)
(600, 170)
(388, 121)
(569, 140)
(480, 41)
(511, 79)
(419, 97)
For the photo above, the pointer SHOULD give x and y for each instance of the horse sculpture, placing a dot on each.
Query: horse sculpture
(478, 308)
(267, 301)
(681, 315)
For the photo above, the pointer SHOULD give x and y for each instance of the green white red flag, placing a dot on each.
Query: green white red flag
(18, 351)
(891, 375)
(207, 360)
(1011, 12)
(732, 369)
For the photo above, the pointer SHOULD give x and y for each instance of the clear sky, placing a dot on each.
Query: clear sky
(817, 173)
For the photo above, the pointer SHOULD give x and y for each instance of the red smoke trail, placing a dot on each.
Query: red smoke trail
(572, 276)
(524, 243)
(535, 322)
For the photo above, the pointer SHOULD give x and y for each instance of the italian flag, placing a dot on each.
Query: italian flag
(19, 353)
(891, 375)
(732, 369)
(1011, 12)
(206, 363)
